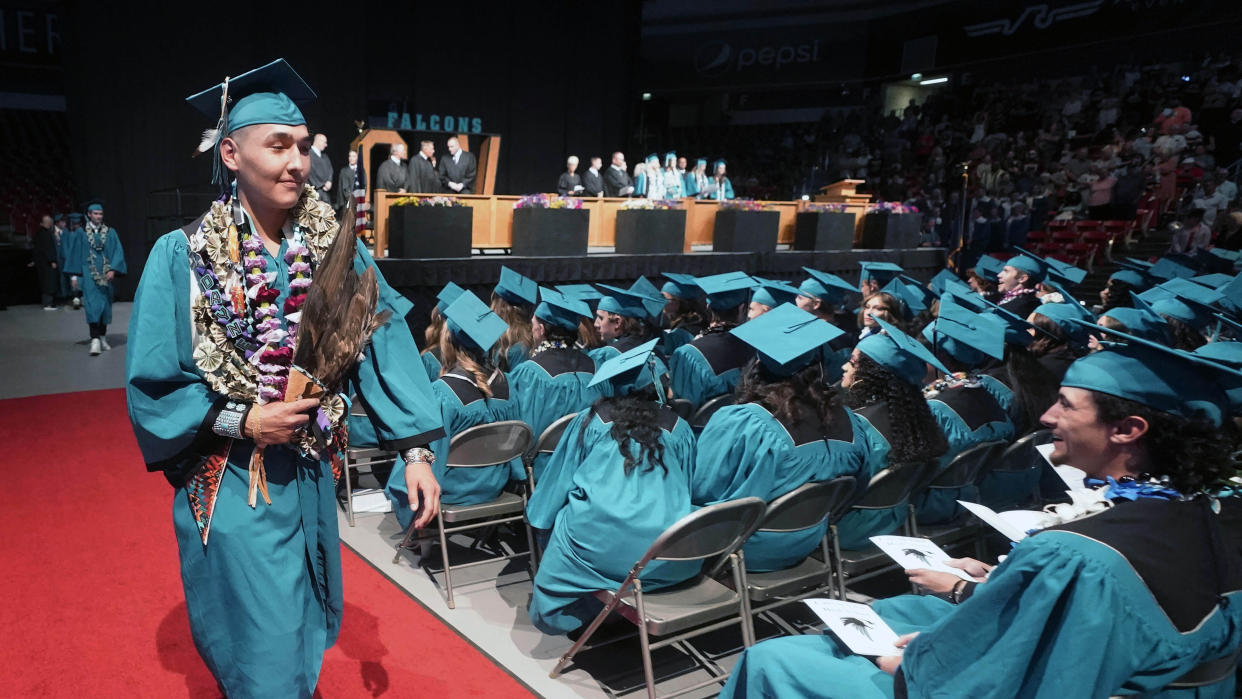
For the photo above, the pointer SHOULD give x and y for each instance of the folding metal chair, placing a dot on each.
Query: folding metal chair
(888, 489)
(708, 409)
(801, 508)
(714, 535)
(1208, 673)
(360, 457)
(684, 408)
(966, 469)
(491, 444)
(1021, 458)
(546, 444)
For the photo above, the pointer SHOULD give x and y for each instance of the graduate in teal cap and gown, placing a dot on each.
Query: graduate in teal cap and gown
(769, 294)
(874, 275)
(694, 182)
(823, 295)
(884, 380)
(967, 411)
(469, 392)
(672, 178)
(513, 299)
(786, 429)
(1138, 319)
(262, 575)
(94, 260)
(619, 477)
(685, 314)
(1096, 606)
(430, 355)
(624, 320)
(70, 241)
(554, 381)
(719, 187)
(711, 365)
(1018, 282)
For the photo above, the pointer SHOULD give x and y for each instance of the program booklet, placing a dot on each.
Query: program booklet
(857, 625)
(912, 552)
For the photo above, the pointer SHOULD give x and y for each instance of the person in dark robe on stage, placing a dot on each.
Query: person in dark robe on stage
(569, 183)
(711, 365)
(592, 180)
(964, 402)
(617, 182)
(422, 177)
(457, 170)
(823, 295)
(1018, 283)
(513, 299)
(60, 233)
(95, 260)
(685, 314)
(621, 467)
(351, 182)
(320, 177)
(73, 239)
(263, 585)
(1106, 601)
(46, 263)
(393, 172)
(554, 382)
(469, 392)
(787, 429)
(884, 385)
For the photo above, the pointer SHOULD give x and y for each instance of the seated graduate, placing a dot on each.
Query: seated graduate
(874, 275)
(514, 300)
(431, 350)
(1131, 278)
(653, 300)
(769, 294)
(619, 477)
(1059, 339)
(470, 392)
(711, 365)
(1018, 281)
(588, 338)
(787, 429)
(822, 295)
(985, 276)
(966, 409)
(552, 383)
(1094, 607)
(1187, 307)
(880, 304)
(685, 316)
(884, 381)
(916, 303)
(621, 319)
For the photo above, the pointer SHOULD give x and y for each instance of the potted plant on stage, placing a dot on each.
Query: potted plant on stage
(651, 227)
(745, 225)
(823, 227)
(547, 225)
(429, 227)
(890, 225)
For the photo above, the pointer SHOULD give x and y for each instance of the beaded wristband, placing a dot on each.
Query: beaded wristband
(230, 420)
(418, 454)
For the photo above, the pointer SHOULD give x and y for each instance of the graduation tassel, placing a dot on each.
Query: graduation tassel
(655, 378)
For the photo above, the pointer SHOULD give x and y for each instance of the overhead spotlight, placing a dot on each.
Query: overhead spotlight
(1185, 78)
(933, 81)
(916, 76)
(806, 197)
(646, 96)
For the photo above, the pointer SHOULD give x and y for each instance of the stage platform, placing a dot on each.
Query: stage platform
(420, 280)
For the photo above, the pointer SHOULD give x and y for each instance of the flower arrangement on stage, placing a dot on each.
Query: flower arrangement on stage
(427, 201)
(818, 208)
(743, 205)
(891, 207)
(651, 204)
(547, 201)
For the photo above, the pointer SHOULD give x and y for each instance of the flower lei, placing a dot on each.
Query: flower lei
(97, 238)
(547, 345)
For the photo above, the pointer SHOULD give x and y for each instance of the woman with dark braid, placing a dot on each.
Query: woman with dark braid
(470, 392)
(619, 477)
(884, 386)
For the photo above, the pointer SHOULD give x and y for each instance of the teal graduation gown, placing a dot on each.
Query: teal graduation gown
(264, 594)
(855, 529)
(462, 406)
(547, 387)
(744, 451)
(431, 363)
(96, 298)
(968, 414)
(709, 366)
(603, 519)
(1065, 615)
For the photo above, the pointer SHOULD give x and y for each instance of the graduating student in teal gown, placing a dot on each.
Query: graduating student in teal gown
(884, 380)
(711, 365)
(966, 410)
(554, 382)
(623, 321)
(513, 299)
(470, 392)
(823, 295)
(262, 583)
(95, 258)
(431, 352)
(684, 312)
(1095, 607)
(619, 477)
(787, 429)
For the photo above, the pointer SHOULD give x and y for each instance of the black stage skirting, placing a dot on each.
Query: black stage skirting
(420, 280)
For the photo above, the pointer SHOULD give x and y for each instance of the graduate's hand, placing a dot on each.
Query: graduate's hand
(890, 663)
(423, 489)
(279, 423)
(327, 186)
(933, 581)
(111, 274)
(976, 569)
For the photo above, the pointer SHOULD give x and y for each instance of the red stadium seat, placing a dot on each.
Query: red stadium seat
(1083, 254)
(1034, 238)
(1103, 244)
(1065, 236)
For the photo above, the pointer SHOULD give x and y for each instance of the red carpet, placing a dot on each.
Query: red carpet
(92, 602)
